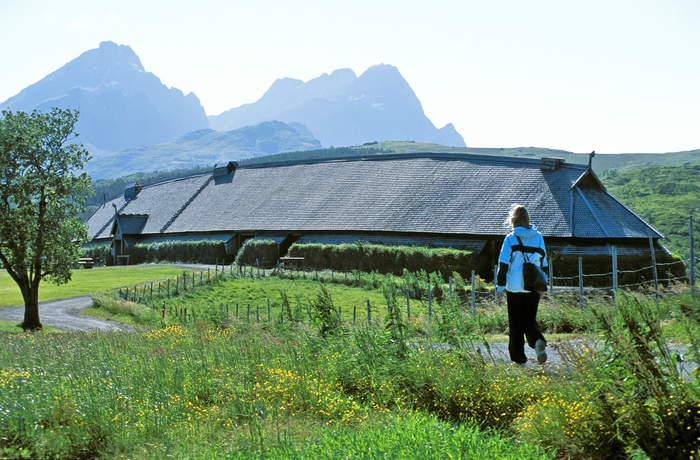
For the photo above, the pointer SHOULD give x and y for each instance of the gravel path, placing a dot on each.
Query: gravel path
(64, 315)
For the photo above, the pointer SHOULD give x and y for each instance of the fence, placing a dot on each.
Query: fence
(173, 287)
(468, 293)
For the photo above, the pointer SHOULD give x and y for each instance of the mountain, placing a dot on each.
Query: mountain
(342, 109)
(121, 105)
(204, 147)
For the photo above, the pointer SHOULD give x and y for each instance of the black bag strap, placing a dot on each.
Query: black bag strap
(522, 247)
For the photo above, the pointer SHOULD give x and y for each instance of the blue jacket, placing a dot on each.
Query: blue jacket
(511, 258)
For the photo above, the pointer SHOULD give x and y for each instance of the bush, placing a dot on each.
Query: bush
(628, 397)
(260, 253)
(101, 254)
(205, 251)
(385, 259)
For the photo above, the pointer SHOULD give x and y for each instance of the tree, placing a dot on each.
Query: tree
(42, 193)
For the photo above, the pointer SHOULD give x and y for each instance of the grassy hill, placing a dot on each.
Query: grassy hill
(664, 196)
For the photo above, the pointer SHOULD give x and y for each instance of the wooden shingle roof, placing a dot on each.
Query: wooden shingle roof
(450, 194)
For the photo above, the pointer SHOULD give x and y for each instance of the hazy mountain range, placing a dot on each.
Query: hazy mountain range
(342, 109)
(121, 105)
(130, 121)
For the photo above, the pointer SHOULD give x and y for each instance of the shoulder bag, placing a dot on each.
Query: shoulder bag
(534, 279)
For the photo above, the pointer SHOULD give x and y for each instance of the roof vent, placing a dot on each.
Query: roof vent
(548, 164)
(225, 169)
(130, 191)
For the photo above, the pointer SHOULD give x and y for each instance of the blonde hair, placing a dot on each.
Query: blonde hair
(518, 217)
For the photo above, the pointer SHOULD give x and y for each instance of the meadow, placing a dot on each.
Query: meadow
(86, 282)
(307, 384)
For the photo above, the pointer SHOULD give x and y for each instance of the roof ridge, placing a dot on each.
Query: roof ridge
(405, 156)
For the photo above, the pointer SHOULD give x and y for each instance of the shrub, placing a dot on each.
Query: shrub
(204, 251)
(260, 253)
(385, 259)
(101, 254)
(627, 397)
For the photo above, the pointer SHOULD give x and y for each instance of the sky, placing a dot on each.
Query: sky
(617, 76)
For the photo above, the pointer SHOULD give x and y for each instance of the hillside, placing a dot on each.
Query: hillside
(205, 148)
(664, 196)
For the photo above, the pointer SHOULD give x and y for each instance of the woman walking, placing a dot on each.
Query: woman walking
(522, 305)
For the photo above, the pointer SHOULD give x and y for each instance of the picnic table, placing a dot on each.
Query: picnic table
(291, 262)
(86, 262)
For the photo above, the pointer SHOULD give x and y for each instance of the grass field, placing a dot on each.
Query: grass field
(85, 282)
(222, 387)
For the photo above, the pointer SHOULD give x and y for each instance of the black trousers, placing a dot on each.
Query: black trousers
(522, 322)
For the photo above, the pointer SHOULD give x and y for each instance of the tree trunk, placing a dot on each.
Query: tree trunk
(31, 309)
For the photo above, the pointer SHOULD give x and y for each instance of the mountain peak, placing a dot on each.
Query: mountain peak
(341, 109)
(110, 52)
(121, 105)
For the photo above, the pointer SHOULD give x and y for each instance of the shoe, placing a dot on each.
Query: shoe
(541, 353)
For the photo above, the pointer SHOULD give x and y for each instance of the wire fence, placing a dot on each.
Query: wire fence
(468, 293)
(419, 297)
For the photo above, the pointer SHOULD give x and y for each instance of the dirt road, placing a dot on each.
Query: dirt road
(64, 315)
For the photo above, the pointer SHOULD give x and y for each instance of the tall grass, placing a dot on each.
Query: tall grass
(193, 393)
(232, 388)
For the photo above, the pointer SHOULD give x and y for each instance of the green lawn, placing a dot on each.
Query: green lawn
(85, 282)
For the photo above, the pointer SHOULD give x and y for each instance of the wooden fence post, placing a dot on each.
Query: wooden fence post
(495, 283)
(691, 278)
(450, 281)
(473, 292)
(653, 264)
(369, 313)
(408, 305)
(430, 303)
(614, 273)
(580, 281)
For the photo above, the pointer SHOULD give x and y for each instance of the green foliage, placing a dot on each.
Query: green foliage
(324, 314)
(101, 254)
(203, 251)
(664, 196)
(258, 253)
(41, 197)
(280, 391)
(632, 394)
(385, 259)
(188, 393)
(394, 321)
